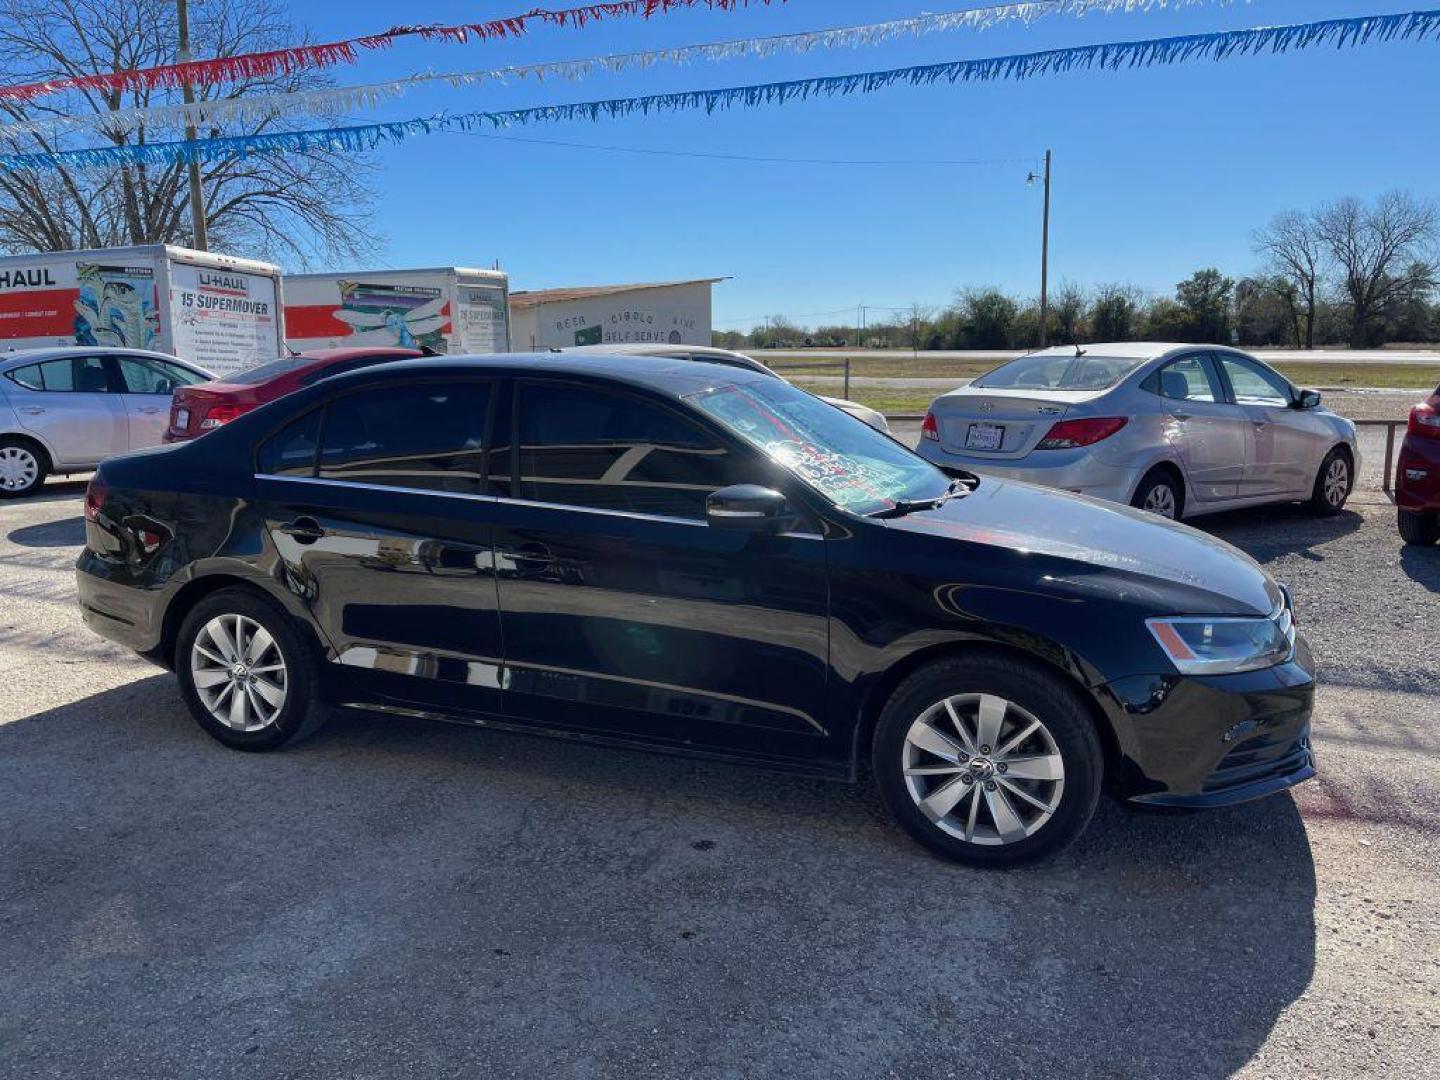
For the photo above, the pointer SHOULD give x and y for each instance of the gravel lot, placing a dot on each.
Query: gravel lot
(398, 898)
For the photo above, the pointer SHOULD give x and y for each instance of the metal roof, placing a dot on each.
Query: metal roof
(528, 298)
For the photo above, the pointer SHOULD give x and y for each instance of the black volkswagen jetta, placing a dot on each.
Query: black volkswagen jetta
(695, 558)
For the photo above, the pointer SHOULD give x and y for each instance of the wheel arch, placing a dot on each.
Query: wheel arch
(197, 589)
(884, 684)
(32, 440)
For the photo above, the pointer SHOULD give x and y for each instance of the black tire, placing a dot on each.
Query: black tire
(1322, 501)
(15, 452)
(1419, 529)
(299, 715)
(1153, 488)
(1046, 696)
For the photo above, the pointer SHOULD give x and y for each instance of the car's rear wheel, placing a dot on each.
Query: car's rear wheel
(1333, 483)
(245, 673)
(988, 761)
(1160, 493)
(1420, 529)
(22, 468)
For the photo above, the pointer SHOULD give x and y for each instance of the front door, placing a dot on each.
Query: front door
(147, 385)
(624, 613)
(387, 538)
(1281, 461)
(70, 406)
(1206, 431)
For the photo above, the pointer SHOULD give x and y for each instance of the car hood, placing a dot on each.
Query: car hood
(1104, 547)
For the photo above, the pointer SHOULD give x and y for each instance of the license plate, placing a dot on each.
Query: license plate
(985, 437)
(182, 419)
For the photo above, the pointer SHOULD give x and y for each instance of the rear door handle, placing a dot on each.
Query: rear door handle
(150, 410)
(1260, 423)
(1181, 415)
(304, 530)
(34, 410)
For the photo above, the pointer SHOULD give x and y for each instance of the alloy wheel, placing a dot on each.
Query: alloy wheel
(1160, 499)
(1337, 483)
(18, 468)
(239, 672)
(983, 769)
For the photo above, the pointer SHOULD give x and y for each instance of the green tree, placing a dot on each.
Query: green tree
(989, 317)
(1205, 298)
(1115, 314)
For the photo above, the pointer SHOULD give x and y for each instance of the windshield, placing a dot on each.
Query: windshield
(270, 369)
(1049, 372)
(846, 460)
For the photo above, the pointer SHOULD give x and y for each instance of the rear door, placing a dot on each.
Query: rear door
(70, 405)
(147, 385)
(1284, 450)
(386, 534)
(1208, 433)
(624, 613)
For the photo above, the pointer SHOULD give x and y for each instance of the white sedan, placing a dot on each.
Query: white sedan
(1178, 430)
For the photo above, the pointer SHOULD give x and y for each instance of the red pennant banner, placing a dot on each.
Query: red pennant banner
(281, 61)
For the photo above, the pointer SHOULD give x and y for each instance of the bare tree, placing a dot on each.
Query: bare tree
(1068, 310)
(917, 318)
(1292, 246)
(298, 204)
(1381, 253)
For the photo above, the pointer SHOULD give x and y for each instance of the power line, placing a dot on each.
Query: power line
(911, 163)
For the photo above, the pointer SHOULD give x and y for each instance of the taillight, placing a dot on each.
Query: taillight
(216, 415)
(1425, 421)
(929, 429)
(1068, 434)
(96, 492)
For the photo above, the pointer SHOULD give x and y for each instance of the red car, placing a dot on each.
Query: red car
(195, 410)
(198, 409)
(1417, 479)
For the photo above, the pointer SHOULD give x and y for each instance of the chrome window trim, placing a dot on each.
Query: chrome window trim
(507, 501)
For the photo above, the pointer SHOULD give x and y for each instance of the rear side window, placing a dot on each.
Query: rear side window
(291, 452)
(421, 435)
(1187, 379)
(80, 374)
(591, 448)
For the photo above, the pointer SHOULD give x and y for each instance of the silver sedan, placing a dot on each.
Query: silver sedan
(1179, 430)
(64, 409)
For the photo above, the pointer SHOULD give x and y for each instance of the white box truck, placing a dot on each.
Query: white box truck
(447, 309)
(220, 312)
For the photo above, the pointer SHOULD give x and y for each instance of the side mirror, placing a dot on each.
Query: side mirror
(1308, 399)
(746, 508)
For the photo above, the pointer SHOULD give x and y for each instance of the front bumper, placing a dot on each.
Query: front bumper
(1078, 470)
(1207, 741)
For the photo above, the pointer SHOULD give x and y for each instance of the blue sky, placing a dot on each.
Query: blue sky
(1157, 172)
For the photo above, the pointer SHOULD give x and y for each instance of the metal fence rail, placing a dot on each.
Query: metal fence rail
(1387, 479)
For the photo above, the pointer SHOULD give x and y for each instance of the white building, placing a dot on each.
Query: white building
(672, 312)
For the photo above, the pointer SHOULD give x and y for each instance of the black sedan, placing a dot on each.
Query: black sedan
(693, 558)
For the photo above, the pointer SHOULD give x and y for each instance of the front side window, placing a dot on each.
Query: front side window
(70, 374)
(1047, 371)
(581, 446)
(1187, 379)
(1254, 385)
(427, 435)
(844, 459)
(153, 376)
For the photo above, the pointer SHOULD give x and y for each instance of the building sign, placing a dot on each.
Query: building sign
(223, 320)
(480, 318)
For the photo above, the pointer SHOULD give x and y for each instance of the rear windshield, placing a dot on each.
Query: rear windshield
(1049, 372)
(267, 371)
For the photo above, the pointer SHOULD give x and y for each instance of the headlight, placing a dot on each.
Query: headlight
(1224, 646)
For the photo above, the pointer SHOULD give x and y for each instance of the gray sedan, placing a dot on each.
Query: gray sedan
(1179, 430)
(64, 409)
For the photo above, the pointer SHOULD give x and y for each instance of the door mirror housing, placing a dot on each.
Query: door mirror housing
(1308, 399)
(747, 508)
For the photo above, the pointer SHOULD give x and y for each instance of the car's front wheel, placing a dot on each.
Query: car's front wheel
(1333, 483)
(244, 671)
(1418, 529)
(988, 760)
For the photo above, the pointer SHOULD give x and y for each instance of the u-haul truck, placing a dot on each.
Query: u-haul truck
(222, 313)
(448, 309)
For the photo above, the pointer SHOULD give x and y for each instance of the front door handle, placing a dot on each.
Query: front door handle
(150, 410)
(531, 558)
(1181, 415)
(1260, 423)
(34, 410)
(303, 530)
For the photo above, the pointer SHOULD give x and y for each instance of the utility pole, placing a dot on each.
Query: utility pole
(1045, 259)
(197, 194)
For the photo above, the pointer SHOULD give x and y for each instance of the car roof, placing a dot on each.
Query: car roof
(351, 352)
(1137, 350)
(21, 357)
(663, 374)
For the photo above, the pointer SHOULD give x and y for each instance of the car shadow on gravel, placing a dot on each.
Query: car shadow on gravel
(1267, 533)
(1422, 565)
(419, 891)
(68, 532)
